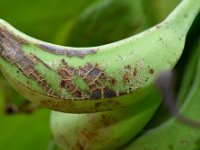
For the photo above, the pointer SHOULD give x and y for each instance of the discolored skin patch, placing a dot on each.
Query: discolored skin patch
(67, 74)
(96, 83)
(113, 81)
(67, 52)
(135, 71)
(151, 71)
(94, 77)
(11, 51)
(128, 67)
(126, 78)
(94, 133)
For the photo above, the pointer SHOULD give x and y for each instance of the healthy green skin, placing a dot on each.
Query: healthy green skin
(102, 130)
(139, 53)
(174, 134)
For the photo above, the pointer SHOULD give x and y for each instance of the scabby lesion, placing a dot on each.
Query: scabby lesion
(86, 82)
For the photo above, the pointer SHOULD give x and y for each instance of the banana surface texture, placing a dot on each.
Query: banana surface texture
(98, 78)
(174, 134)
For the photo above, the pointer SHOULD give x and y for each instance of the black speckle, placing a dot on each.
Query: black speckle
(108, 93)
(151, 71)
(94, 72)
(96, 94)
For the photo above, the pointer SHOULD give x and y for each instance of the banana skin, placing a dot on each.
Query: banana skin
(98, 78)
(175, 134)
(102, 130)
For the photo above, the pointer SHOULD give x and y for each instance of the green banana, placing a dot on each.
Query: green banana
(183, 78)
(96, 78)
(102, 130)
(174, 134)
(92, 131)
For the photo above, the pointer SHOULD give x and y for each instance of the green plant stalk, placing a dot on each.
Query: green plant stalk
(97, 78)
(174, 134)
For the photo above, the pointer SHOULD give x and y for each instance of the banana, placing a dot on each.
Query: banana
(112, 129)
(174, 134)
(183, 77)
(102, 130)
(98, 78)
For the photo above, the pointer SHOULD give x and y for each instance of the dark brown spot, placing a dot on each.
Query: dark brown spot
(126, 78)
(62, 83)
(77, 93)
(128, 67)
(112, 81)
(94, 73)
(79, 146)
(108, 93)
(96, 94)
(11, 108)
(151, 71)
(94, 77)
(13, 53)
(135, 71)
(102, 77)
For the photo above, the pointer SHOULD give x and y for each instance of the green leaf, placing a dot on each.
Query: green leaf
(25, 132)
(41, 18)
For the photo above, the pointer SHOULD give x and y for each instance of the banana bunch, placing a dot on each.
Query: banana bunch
(113, 83)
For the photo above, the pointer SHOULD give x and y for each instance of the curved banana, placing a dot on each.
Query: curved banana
(174, 134)
(96, 78)
(106, 130)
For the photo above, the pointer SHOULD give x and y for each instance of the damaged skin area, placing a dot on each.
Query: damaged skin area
(60, 78)
(89, 81)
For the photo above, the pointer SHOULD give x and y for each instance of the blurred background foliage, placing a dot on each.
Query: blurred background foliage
(23, 126)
